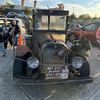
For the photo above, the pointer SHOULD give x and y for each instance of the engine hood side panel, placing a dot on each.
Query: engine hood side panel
(22, 50)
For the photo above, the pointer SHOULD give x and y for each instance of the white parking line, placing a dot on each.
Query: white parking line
(96, 75)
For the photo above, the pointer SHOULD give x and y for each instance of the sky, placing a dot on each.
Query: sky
(91, 7)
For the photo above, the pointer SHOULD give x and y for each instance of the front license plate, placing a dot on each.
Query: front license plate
(57, 72)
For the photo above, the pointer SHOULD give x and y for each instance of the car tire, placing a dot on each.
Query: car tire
(17, 67)
(20, 66)
(98, 42)
(85, 70)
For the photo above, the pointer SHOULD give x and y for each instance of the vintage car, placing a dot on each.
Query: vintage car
(45, 56)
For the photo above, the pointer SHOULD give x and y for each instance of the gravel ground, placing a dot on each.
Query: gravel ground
(12, 91)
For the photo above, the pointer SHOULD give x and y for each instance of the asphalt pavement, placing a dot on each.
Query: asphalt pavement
(10, 90)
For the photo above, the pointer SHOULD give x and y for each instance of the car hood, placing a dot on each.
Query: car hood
(75, 29)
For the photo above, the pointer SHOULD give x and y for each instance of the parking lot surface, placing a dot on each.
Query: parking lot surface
(10, 90)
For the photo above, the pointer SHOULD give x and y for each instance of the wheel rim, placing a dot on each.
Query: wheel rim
(98, 41)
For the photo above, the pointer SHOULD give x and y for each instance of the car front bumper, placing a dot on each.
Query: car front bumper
(30, 81)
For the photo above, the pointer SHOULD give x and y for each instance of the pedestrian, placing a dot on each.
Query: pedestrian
(6, 36)
(2, 49)
(15, 31)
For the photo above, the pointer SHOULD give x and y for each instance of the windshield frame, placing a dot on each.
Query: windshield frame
(46, 12)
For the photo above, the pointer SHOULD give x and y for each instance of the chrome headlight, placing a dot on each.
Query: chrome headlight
(33, 62)
(77, 62)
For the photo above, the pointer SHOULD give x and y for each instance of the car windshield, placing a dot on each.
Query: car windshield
(50, 23)
(91, 26)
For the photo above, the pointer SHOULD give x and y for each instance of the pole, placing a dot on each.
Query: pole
(22, 2)
(73, 9)
(6, 2)
(34, 14)
(35, 4)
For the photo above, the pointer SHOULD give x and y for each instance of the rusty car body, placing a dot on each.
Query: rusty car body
(46, 58)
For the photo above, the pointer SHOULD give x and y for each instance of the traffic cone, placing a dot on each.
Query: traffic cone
(20, 40)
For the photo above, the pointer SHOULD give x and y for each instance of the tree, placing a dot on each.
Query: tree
(85, 17)
(27, 10)
(94, 18)
(72, 17)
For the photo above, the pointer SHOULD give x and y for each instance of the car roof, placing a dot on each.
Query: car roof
(54, 12)
(96, 22)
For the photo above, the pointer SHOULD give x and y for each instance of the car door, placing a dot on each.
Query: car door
(90, 31)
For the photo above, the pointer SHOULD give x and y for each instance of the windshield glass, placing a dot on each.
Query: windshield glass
(50, 23)
(57, 23)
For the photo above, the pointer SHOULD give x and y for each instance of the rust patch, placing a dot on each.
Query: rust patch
(22, 50)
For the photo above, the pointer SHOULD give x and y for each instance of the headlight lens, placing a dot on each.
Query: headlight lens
(77, 62)
(33, 62)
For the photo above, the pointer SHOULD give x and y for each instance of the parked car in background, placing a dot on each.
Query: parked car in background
(89, 31)
(73, 25)
(12, 15)
(15, 15)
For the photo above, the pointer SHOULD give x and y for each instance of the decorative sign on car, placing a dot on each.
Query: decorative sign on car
(60, 72)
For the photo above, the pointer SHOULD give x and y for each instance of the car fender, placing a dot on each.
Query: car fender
(22, 50)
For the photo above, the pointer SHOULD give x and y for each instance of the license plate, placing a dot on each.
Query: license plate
(57, 72)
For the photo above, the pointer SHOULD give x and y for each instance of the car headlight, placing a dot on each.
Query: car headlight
(77, 62)
(33, 62)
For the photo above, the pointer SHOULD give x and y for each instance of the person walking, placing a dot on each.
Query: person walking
(6, 36)
(2, 49)
(15, 31)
